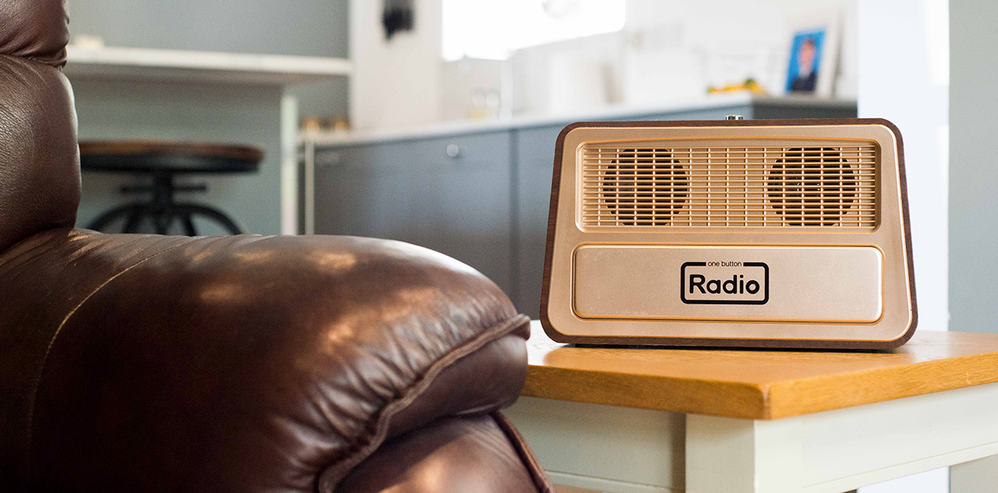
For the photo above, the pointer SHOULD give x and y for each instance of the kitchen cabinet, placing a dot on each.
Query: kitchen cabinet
(449, 194)
(463, 201)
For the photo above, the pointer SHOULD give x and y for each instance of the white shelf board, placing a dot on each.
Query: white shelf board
(200, 66)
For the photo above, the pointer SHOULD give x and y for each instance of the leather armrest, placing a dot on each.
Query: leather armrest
(240, 363)
(482, 454)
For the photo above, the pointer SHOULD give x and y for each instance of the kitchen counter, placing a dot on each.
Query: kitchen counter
(609, 112)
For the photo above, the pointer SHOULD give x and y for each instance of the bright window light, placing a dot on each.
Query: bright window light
(494, 28)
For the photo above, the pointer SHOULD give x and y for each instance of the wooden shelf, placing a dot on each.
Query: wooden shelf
(199, 66)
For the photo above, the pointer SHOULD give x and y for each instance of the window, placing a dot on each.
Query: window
(494, 28)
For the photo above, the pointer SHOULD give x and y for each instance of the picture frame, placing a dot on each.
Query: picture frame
(812, 57)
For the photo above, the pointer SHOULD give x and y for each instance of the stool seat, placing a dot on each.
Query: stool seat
(146, 156)
(163, 160)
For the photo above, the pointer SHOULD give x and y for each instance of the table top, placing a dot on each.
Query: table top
(141, 156)
(756, 384)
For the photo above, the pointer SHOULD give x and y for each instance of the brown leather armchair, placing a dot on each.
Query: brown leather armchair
(241, 363)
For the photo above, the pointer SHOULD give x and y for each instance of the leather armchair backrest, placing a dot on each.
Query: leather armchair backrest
(39, 156)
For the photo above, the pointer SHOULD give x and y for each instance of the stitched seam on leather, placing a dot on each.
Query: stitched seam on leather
(40, 60)
(336, 472)
(523, 451)
(41, 371)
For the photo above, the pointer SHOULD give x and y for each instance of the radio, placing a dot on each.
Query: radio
(734, 233)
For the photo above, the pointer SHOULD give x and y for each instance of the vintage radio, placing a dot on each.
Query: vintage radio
(738, 233)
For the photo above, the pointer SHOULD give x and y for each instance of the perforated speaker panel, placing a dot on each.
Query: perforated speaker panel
(821, 184)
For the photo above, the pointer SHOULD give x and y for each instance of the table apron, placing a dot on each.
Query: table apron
(626, 450)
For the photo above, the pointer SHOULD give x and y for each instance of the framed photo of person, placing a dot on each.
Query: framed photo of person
(814, 54)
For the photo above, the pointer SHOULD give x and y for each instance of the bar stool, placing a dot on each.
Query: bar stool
(164, 160)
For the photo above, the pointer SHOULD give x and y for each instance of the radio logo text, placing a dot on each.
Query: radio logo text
(725, 283)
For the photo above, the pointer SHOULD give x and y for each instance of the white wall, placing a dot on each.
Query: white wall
(289, 27)
(679, 47)
(396, 83)
(973, 186)
(898, 81)
(902, 78)
(546, 77)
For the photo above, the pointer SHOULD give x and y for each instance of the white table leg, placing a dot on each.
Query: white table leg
(979, 476)
(725, 455)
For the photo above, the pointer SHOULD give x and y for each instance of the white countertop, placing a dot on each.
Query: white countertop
(200, 66)
(609, 112)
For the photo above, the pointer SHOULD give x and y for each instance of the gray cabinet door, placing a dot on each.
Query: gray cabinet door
(414, 191)
(366, 191)
(534, 167)
(463, 204)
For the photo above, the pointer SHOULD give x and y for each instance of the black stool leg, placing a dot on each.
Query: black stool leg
(135, 219)
(133, 212)
(218, 216)
(162, 220)
(161, 208)
(189, 226)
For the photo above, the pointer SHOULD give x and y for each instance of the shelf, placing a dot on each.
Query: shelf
(199, 66)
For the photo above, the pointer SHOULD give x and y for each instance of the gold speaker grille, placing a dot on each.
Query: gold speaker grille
(801, 185)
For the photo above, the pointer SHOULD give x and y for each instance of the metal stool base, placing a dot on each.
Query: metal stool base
(135, 213)
(163, 211)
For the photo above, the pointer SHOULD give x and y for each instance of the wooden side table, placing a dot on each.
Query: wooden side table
(735, 421)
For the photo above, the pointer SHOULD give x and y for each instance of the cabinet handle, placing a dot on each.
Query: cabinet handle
(453, 150)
